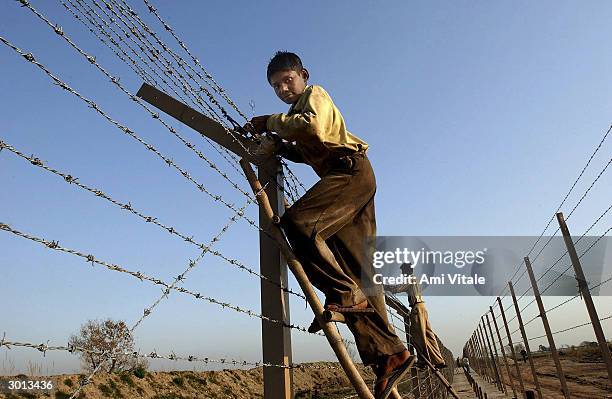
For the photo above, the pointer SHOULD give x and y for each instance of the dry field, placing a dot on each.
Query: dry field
(584, 371)
(243, 384)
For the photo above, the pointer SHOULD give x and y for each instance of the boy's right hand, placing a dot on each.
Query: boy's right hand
(269, 146)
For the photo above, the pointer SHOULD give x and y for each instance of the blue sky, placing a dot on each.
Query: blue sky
(479, 117)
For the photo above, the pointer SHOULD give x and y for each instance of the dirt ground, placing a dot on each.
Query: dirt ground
(586, 376)
(321, 380)
(314, 380)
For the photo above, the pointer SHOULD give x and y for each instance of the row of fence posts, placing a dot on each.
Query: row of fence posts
(481, 348)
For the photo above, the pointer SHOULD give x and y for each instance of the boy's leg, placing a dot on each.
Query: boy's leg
(423, 337)
(418, 333)
(327, 228)
(329, 205)
(373, 334)
(433, 348)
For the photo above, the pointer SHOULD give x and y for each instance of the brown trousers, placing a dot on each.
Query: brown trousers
(328, 228)
(423, 338)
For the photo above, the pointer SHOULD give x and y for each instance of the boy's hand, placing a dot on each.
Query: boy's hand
(258, 124)
(269, 146)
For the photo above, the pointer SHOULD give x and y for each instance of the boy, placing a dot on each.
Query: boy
(328, 226)
(424, 339)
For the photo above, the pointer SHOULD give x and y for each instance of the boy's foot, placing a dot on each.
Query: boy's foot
(441, 366)
(390, 371)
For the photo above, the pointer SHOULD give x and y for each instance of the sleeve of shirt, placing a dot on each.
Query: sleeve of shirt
(314, 119)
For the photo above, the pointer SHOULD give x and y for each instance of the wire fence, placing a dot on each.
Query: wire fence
(119, 28)
(503, 368)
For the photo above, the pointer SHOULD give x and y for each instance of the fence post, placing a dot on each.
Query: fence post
(489, 353)
(276, 338)
(476, 344)
(511, 345)
(474, 359)
(503, 351)
(485, 355)
(586, 295)
(551, 341)
(499, 372)
(525, 340)
(483, 359)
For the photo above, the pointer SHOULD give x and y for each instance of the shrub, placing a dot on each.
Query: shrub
(106, 337)
(140, 372)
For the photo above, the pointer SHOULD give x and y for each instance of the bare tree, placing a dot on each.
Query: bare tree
(108, 337)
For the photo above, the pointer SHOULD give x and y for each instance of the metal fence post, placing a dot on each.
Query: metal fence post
(511, 345)
(503, 351)
(525, 340)
(586, 295)
(485, 355)
(483, 359)
(497, 369)
(489, 353)
(276, 338)
(551, 341)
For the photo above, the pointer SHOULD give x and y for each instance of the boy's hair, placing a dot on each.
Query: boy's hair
(284, 61)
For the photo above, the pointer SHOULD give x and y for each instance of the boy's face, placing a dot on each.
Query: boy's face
(289, 84)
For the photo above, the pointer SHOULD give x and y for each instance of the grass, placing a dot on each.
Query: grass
(127, 378)
(111, 390)
(140, 372)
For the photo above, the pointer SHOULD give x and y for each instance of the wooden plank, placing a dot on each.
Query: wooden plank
(195, 120)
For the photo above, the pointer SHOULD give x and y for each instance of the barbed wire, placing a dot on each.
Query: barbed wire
(148, 310)
(71, 348)
(54, 245)
(130, 13)
(155, 56)
(558, 277)
(209, 77)
(71, 179)
(87, 14)
(563, 255)
(182, 44)
(565, 198)
(571, 328)
(116, 82)
(89, 18)
(291, 182)
(57, 81)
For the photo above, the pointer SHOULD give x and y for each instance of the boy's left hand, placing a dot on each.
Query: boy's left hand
(258, 124)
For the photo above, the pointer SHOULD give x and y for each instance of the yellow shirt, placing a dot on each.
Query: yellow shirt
(318, 129)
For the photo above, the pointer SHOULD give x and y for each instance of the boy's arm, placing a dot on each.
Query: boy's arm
(291, 152)
(315, 118)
